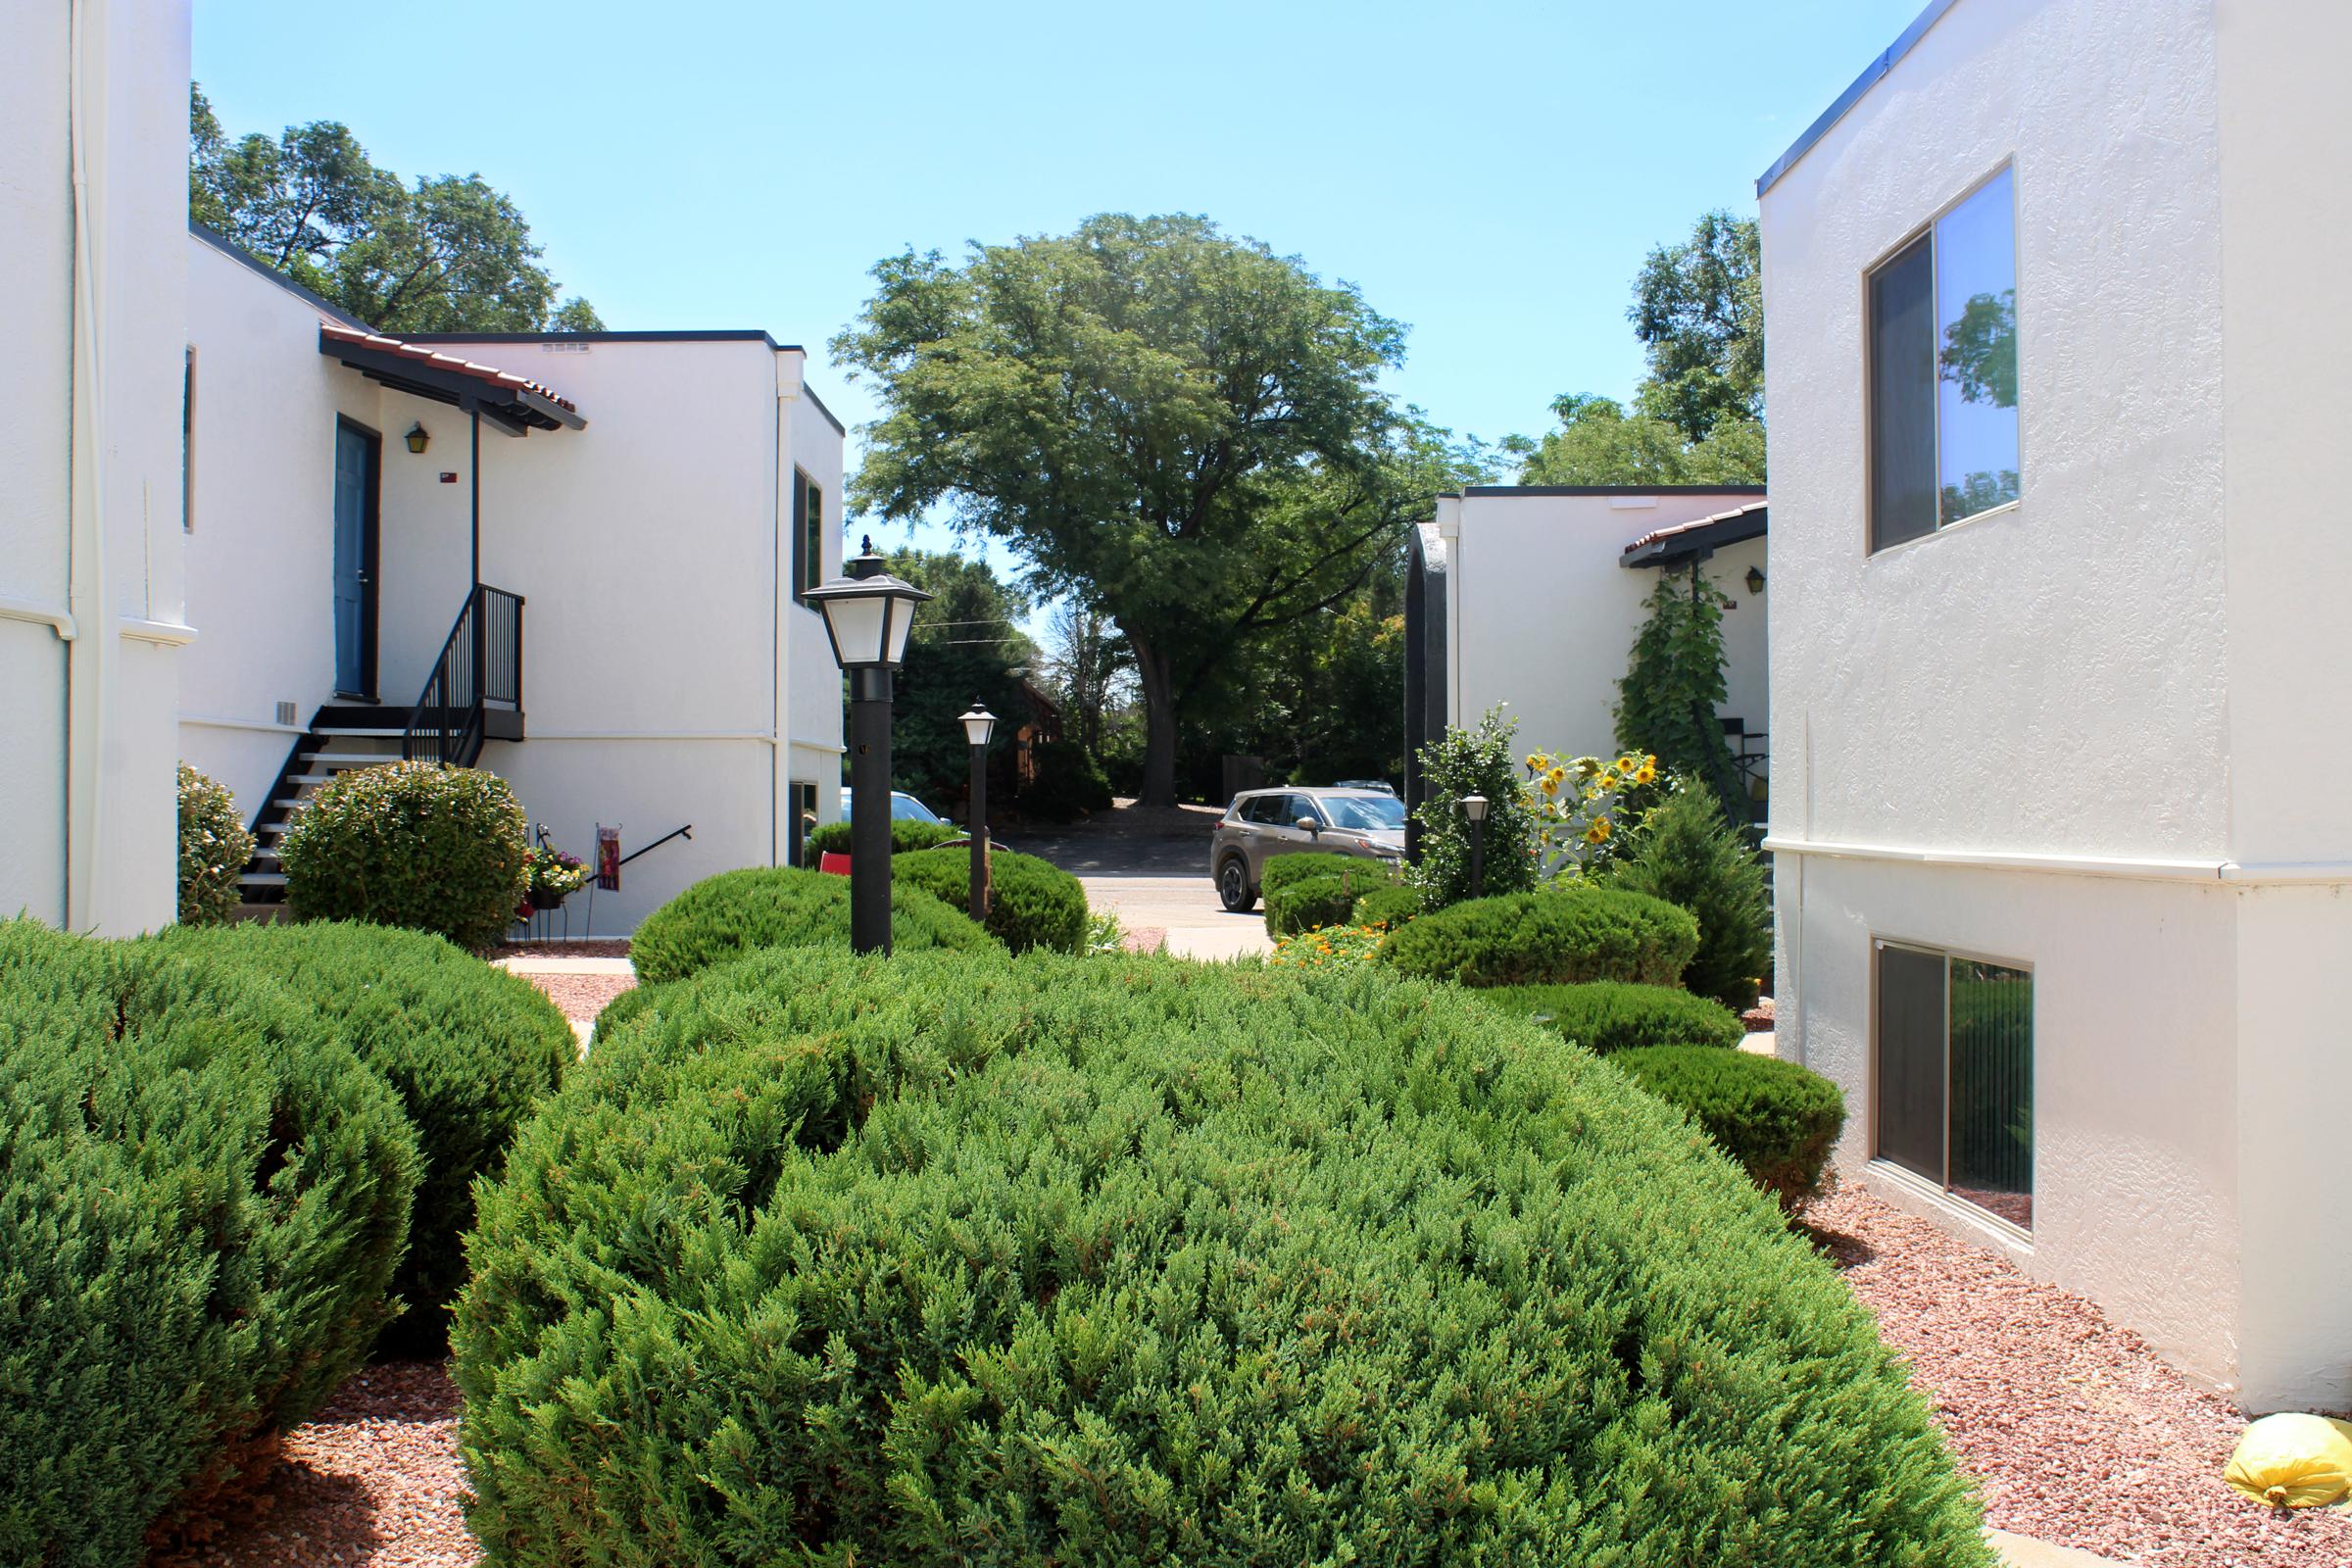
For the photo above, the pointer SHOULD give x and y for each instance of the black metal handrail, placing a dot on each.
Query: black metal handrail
(481, 668)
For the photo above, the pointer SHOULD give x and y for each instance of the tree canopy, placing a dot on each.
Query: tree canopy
(1180, 427)
(966, 644)
(1699, 417)
(447, 254)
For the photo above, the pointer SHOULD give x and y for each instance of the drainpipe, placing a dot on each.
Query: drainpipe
(90, 657)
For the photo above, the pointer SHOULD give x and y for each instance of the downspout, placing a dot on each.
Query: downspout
(85, 547)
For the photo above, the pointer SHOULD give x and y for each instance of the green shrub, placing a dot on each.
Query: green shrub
(1777, 1119)
(1690, 858)
(468, 1049)
(992, 1260)
(202, 1198)
(214, 851)
(1610, 1015)
(724, 916)
(1387, 907)
(1300, 864)
(1303, 903)
(409, 844)
(1571, 934)
(1032, 904)
(1069, 783)
(1474, 762)
(907, 834)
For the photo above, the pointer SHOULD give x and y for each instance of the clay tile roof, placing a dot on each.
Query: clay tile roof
(1696, 524)
(337, 333)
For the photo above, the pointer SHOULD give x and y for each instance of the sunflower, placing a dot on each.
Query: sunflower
(1598, 832)
(1646, 773)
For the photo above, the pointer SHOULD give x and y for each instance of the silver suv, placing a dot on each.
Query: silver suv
(1260, 824)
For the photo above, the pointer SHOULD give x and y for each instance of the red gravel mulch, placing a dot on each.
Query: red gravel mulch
(2080, 1435)
(582, 995)
(601, 948)
(1144, 939)
(373, 1481)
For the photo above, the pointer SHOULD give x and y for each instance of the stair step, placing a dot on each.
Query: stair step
(356, 731)
(263, 880)
(351, 758)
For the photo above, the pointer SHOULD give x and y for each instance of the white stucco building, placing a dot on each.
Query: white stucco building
(645, 509)
(216, 542)
(1530, 596)
(94, 105)
(2065, 875)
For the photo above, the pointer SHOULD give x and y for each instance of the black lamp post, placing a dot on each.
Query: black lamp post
(867, 614)
(1474, 807)
(978, 724)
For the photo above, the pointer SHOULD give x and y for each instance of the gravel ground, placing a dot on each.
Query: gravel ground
(581, 996)
(375, 1481)
(601, 948)
(2080, 1435)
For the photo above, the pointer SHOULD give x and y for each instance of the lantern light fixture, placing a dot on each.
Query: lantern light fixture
(1755, 579)
(978, 723)
(868, 614)
(418, 438)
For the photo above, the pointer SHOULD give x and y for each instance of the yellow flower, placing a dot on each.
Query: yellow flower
(1587, 765)
(1552, 786)
(1605, 783)
(1626, 765)
(1647, 773)
(1598, 832)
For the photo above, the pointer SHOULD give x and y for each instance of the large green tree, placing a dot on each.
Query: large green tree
(447, 254)
(966, 644)
(1181, 428)
(1698, 416)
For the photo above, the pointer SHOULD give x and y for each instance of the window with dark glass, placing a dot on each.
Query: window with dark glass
(1954, 1076)
(808, 534)
(1943, 358)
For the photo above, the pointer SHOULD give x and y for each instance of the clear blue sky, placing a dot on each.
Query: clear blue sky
(1490, 174)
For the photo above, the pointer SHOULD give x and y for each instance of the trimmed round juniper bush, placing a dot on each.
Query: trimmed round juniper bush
(951, 1258)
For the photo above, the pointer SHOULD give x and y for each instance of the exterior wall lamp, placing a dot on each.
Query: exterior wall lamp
(1755, 579)
(867, 616)
(978, 724)
(418, 438)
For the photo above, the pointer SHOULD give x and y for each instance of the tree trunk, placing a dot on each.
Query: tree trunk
(1159, 721)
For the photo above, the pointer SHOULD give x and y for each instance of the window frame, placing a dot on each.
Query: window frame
(1879, 943)
(1925, 228)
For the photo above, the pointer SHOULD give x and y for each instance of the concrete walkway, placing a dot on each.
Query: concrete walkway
(2023, 1551)
(1186, 908)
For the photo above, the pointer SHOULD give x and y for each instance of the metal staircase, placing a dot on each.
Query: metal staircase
(474, 696)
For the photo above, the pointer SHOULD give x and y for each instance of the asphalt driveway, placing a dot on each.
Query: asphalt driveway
(1150, 867)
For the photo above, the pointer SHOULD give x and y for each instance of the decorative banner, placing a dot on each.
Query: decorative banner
(608, 858)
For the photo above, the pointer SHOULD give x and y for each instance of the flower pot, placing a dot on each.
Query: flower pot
(543, 900)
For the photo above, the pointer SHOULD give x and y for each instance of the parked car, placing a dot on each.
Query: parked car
(1380, 784)
(904, 808)
(1260, 824)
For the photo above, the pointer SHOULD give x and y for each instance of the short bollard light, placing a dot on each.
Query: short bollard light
(978, 724)
(1474, 807)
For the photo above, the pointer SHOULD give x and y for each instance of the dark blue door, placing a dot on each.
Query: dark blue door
(355, 558)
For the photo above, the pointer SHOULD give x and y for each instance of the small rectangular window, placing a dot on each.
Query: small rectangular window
(807, 535)
(188, 440)
(1944, 441)
(804, 818)
(1954, 1076)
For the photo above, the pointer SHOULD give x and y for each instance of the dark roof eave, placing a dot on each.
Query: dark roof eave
(1696, 544)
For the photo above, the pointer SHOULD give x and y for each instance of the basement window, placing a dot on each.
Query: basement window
(1942, 366)
(1954, 1076)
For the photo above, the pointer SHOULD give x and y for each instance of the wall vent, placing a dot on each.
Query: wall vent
(285, 713)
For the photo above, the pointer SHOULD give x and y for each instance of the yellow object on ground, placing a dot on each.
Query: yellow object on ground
(2293, 1461)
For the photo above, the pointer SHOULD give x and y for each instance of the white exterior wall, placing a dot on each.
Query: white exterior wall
(261, 541)
(2077, 733)
(1541, 618)
(658, 687)
(90, 601)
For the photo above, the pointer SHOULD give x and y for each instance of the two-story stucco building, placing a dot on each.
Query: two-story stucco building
(240, 527)
(2058, 634)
